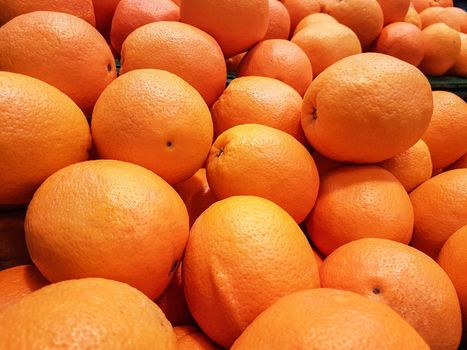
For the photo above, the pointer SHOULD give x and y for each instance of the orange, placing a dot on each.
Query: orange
(460, 67)
(180, 49)
(154, 119)
(364, 17)
(259, 100)
(41, 131)
(233, 62)
(442, 48)
(253, 159)
(60, 49)
(104, 10)
(109, 219)
(421, 5)
(299, 9)
(13, 250)
(132, 14)
(411, 167)
(244, 253)
(90, 313)
(326, 43)
(281, 60)
(401, 40)
(392, 117)
(453, 259)
(17, 282)
(405, 279)
(357, 202)
(312, 19)
(236, 25)
(328, 319)
(196, 194)
(439, 207)
(434, 15)
(324, 164)
(413, 17)
(460, 15)
(446, 136)
(460, 163)
(78, 8)
(190, 338)
(394, 10)
(279, 21)
(173, 303)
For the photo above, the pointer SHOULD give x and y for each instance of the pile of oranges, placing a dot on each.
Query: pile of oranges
(319, 201)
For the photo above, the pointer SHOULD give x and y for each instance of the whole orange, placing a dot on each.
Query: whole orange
(460, 15)
(312, 19)
(299, 9)
(434, 15)
(279, 21)
(394, 10)
(190, 338)
(13, 250)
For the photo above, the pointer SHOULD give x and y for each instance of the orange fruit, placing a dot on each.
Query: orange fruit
(370, 202)
(299, 9)
(453, 259)
(326, 43)
(281, 60)
(50, 46)
(312, 19)
(324, 164)
(411, 167)
(328, 319)
(434, 15)
(190, 338)
(13, 250)
(286, 174)
(401, 40)
(259, 100)
(196, 194)
(90, 313)
(394, 11)
(243, 254)
(460, 163)
(460, 67)
(173, 303)
(17, 282)
(413, 17)
(236, 25)
(392, 117)
(180, 49)
(128, 225)
(407, 280)
(446, 135)
(132, 14)
(279, 21)
(421, 5)
(364, 17)
(79, 8)
(233, 62)
(442, 48)
(439, 209)
(41, 131)
(104, 10)
(460, 16)
(154, 119)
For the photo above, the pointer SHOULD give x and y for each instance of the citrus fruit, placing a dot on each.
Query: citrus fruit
(41, 131)
(109, 219)
(243, 254)
(421, 5)
(402, 277)
(299, 9)
(394, 10)
(460, 67)
(190, 338)
(253, 159)
(459, 164)
(104, 10)
(433, 15)
(13, 250)
(413, 17)
(312, 19)
(154, 119)
(279, 21)
(392, 117)
(60, 49)
(460, 16)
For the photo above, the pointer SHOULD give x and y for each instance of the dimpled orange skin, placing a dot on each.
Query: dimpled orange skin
(329, 319)
(236, 25)
(132, 14)
(18, 281)
(413, 17)
(50, 46)
(154, 119)
(279, 21)
(460, 67)
(326, 43)
(244, 253)
(411, 167)
(446, 137)
(13, 250)
(79, 8)
(434, 15)
(281, 60)
(357, 202)
(312, 19)
(392, 117)
(125, 211)
(180, 49)
(364, 17)
(442, 48)
(299, 9)
(41, 131)
(91, 313)
(401, 40)
(402, 277)
(259, 100)
(190, 338)
(446, 195)
(286, 174)
(394, 10)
